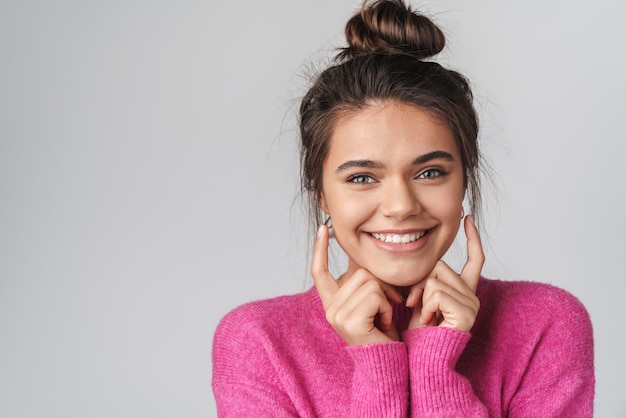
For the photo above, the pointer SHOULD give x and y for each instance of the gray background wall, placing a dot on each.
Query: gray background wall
(148, 170)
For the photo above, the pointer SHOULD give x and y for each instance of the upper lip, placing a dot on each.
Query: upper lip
(400, 231)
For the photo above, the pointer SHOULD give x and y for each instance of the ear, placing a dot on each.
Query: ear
(321, 201)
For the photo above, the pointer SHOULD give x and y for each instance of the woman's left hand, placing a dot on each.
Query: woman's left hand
(445, 298)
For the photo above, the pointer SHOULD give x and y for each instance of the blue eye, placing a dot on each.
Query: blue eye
(361, 179)
(431, 173)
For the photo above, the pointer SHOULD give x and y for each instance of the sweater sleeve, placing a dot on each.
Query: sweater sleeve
(244, 382)
(380, 381)
(437, 389)
(559, 378)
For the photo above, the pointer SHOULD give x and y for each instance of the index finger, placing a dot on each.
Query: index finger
(475, 255)
(324, 280)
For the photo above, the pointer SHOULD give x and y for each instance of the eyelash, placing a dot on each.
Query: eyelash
(435, 173)
(352, 179)
(438, 172)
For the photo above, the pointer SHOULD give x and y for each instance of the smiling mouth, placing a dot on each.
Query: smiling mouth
(399, 239)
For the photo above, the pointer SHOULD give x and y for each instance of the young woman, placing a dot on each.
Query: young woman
(389, 154)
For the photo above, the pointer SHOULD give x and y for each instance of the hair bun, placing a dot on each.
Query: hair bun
(390, 27)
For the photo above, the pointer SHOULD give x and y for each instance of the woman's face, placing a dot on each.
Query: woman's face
(393, 185)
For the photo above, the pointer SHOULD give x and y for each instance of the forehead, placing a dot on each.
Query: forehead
(389, 130)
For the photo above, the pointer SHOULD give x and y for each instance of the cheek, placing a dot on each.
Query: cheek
(447, 209)
(348, 214)
(445, 203)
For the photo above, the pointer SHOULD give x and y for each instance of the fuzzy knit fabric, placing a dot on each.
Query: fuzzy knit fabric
(529, 354)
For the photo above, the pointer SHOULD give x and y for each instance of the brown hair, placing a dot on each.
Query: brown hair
(385, 60)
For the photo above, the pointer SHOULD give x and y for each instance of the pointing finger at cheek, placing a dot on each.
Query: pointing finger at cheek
(324, 281)
(475, 255)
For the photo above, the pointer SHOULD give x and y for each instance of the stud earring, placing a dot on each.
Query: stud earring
(329, 224)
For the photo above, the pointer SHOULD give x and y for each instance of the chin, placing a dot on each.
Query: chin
(402, 277)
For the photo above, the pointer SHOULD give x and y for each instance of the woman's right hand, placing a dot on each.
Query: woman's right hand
(359, 310)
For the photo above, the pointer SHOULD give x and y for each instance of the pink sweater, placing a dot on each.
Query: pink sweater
(529, 354)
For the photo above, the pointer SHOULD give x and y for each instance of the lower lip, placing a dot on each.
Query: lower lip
(407, 248)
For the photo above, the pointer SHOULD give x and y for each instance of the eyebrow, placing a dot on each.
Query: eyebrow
(374, 165)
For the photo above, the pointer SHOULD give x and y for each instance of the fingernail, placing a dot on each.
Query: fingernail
(320, 231)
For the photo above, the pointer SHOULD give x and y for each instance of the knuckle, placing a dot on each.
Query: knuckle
(360, 276)
(372, 286)
(336, 318)
(373, 298)
(351, 323)
(476, 306)
(331, 318)
(479, 256)
(363, 274)
(440, 264)
(430, 283)
(317, 270)
(439, 294)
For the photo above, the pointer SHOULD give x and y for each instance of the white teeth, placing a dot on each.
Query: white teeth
(399, 239)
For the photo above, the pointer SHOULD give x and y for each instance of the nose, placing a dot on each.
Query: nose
(400, 199)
